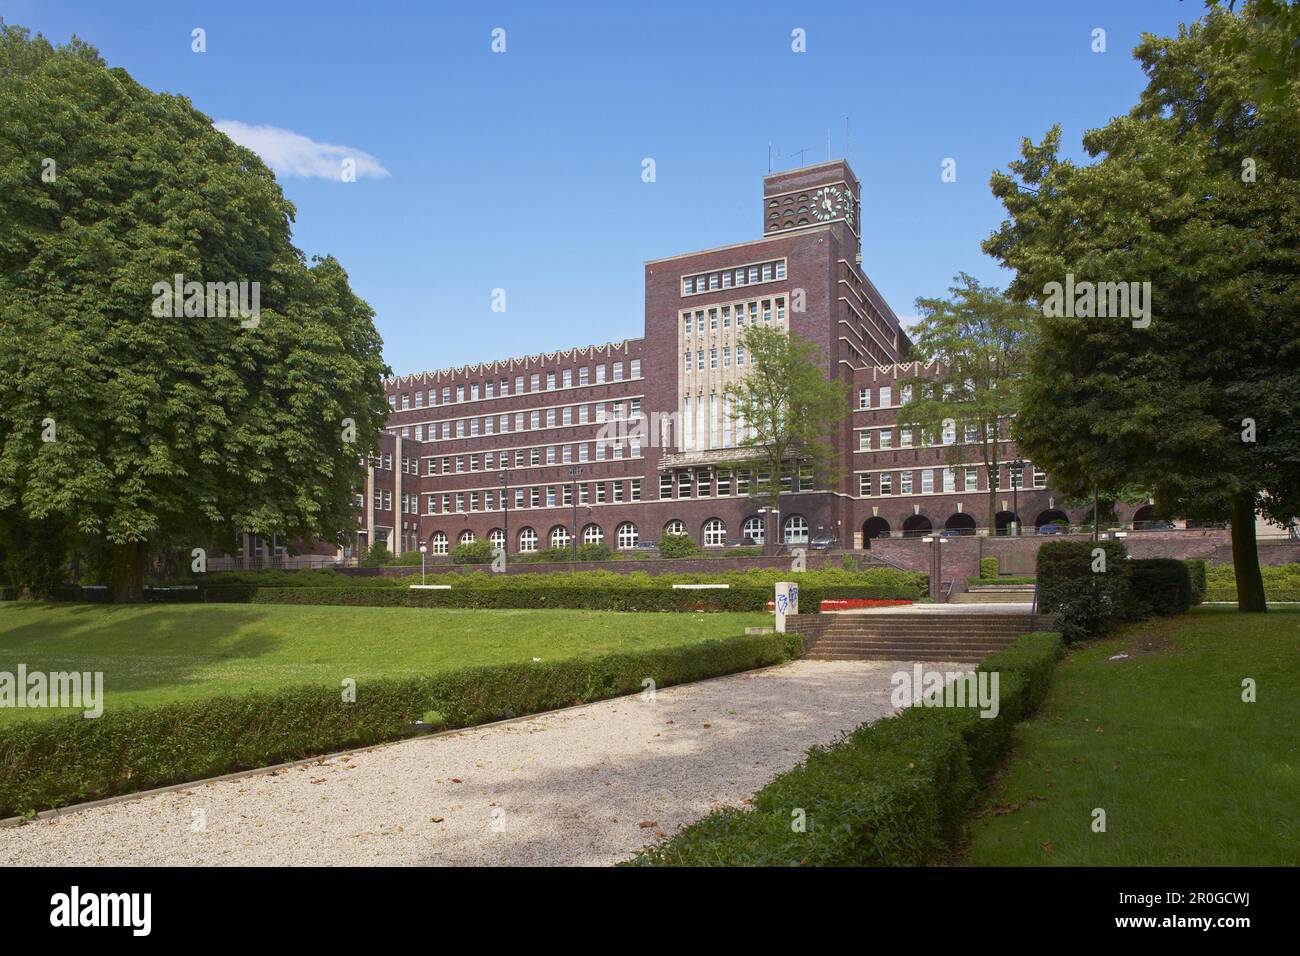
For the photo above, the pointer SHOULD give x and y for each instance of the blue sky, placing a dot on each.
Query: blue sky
(522, 170)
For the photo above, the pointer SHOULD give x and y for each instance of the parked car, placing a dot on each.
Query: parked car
(1158, 525)
(645, 544)
(1052, 529)
(824, 542)
(951, 533)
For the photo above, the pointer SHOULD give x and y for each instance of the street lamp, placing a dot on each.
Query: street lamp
(1017, 476)
(424, 549)
(573, 498)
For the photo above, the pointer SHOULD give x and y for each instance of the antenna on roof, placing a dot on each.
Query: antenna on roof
(848, 143)
(801, 152)
(769, 155)
(828, 144)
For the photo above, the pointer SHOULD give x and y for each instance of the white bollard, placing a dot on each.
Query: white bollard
(787, 602)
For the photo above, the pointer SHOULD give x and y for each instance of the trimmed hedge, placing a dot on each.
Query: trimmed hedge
(65, 760)
(894, 792)
(988, 569)
(1197, 574)
(661, 598)
(1086, 602)
(911, 584)
(1160, 586)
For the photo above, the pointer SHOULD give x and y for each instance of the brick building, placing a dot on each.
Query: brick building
(636, 436)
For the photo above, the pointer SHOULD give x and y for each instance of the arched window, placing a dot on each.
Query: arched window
(676, 526)
(438, 543)
(467, 537)
(497, 538)
(626, 535)
(753, 529)
(559, 536)
(527, 541)
(592, 534)
(715, 533)
(796, 530)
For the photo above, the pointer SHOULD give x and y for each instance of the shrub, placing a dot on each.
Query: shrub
(1159, 586)
(677, 546)
(594, 552)
(476, 552)
(989, 569)
(376, 555)
(894, 792)
(50, 763)
(1197, 574)
(1086, 602)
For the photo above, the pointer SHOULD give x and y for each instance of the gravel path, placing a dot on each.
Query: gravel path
(586, 786)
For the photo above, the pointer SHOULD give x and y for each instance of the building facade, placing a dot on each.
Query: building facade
(624, 442)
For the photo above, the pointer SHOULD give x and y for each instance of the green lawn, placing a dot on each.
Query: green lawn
(1187, 773)
(153, 654)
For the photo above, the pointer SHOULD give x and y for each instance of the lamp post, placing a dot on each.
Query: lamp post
(573, 499)
(1016, 476)
(424, 549)
(505, 504)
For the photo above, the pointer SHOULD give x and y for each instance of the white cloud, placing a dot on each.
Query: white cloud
(292, 154)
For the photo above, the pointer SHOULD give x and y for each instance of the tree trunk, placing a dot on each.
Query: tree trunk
(128, 572)
(1245, 556)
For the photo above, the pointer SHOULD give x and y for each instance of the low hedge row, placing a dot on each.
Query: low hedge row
(65, 760)
(1196, 571)
(660, 598)
(881, 582)
(1272, 594)
(894, 792)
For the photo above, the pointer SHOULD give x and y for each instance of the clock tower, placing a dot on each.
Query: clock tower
(811, 196)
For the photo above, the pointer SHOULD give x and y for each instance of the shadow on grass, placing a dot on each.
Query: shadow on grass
(139, 647)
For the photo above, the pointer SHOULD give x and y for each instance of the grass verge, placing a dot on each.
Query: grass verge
(1162, 741)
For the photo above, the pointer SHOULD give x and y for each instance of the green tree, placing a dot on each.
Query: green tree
(974, 345)
(1196, 191)
(785, 409)
(138, 427)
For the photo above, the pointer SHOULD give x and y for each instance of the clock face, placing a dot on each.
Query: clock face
(831, 202)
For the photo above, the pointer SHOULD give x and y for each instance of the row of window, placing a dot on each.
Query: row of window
(702, 483)
(604, 450)
(720, 316)
(737, 277)
(884, 396)
(473, 391)
(713, 534)
(525, 421)
(536, 496)
(885, 436)
(947, 478)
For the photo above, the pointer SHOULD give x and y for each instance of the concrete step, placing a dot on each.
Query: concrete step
(984, 596)
(953, 657)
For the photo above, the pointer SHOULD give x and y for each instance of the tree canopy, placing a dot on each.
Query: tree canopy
(1197, 192)
(785, 409)
(974, 343)
(129, 423)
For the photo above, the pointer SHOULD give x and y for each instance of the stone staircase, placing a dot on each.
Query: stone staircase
(996, 594)
(914, 636)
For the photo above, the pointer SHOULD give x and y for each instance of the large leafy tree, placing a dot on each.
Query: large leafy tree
(1197, 191)
(785, 409)
(974, 345)
(141, 429)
